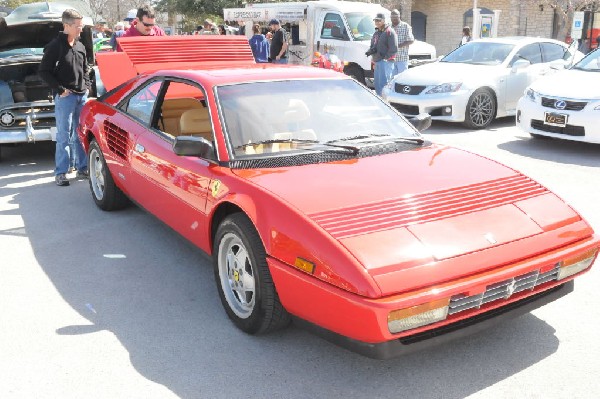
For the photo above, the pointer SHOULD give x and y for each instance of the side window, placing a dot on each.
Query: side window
(141, 104)
(333, 27)
(553, 51)
(183, 112)
(531, 53)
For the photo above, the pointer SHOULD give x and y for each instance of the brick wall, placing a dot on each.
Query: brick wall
(445, 20)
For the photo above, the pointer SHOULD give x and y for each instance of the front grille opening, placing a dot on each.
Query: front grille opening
(436, 332)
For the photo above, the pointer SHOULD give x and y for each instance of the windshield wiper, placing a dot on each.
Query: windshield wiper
(278, 141)
(367, 137)
(353, 150)
(416, 140)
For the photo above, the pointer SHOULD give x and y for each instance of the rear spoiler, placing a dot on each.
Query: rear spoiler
(151, 53)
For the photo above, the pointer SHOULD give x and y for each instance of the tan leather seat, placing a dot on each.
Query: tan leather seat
(172, 109)
(196, 122)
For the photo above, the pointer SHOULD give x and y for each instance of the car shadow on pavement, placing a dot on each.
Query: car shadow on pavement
(442, 127)
(129, 274)
(555, 150)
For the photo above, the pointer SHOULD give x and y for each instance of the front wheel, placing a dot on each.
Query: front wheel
(243, 279)
(481, 109)
(106, 194)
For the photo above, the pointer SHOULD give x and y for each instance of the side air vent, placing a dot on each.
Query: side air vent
(117, 140)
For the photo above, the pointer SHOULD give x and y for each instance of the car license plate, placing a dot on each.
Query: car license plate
(554, 119)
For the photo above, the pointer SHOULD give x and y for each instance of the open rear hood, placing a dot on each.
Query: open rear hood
(146, 54)
(37, 24)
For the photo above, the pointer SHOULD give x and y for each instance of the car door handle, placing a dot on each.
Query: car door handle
(139, 148)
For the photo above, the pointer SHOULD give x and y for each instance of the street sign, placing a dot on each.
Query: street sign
(577, 27)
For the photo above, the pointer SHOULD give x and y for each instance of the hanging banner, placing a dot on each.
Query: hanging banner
(256, 14)
(248, 14)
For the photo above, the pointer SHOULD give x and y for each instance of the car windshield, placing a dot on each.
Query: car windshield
(306, 115)
(591, 62)
(361, 25)
(480, 53)
(21, 51)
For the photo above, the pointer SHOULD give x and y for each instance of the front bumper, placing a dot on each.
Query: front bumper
(581, 125)
(433, 104)
(27, 135)
(445, 334)
(27, 122)
(361, 324)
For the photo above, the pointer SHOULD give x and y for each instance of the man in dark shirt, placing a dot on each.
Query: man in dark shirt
(278, 43)
(64, 67)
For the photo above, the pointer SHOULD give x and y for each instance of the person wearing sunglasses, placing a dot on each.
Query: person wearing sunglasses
(143, 25)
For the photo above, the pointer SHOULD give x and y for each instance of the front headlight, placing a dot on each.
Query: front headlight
(444, 88)
(532, 95)
(418, 316)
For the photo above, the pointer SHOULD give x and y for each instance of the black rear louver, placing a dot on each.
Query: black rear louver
(117, 140)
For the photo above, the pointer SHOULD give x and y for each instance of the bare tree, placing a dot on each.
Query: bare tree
(564, 10)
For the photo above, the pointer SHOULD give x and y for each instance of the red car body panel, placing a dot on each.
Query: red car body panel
(384, 232)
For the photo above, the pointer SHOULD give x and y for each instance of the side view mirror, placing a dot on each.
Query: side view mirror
(558, 64)
(520, 64)
(421, 122)
(193, 146)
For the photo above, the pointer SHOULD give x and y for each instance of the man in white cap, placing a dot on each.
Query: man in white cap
(119, 31)
(384, 46)
(405, 39)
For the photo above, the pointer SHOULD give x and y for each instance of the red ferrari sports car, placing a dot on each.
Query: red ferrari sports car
(319, 202)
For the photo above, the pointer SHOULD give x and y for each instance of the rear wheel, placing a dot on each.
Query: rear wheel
(356, 72)
(481, 109)
(106, 194)
(243, 279)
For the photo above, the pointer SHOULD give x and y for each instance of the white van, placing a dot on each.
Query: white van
(344, 28)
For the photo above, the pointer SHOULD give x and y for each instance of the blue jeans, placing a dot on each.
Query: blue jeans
(399, 67)
(383, 74)
(67, 110)
(280, 61)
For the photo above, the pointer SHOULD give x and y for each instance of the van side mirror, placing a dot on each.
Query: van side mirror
(193, 146)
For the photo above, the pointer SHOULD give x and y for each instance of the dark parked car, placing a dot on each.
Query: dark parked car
(26, 103)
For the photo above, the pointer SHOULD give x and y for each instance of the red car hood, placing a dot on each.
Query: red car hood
(406, 209)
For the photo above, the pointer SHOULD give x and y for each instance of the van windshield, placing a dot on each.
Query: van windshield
(361, 25)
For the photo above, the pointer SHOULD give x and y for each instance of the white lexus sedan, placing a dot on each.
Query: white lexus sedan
(565, 106)
(478, 81)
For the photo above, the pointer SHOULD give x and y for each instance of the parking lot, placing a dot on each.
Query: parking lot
(117, 305)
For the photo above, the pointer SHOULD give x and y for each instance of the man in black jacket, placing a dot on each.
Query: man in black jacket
(64, 67)
(384, 46)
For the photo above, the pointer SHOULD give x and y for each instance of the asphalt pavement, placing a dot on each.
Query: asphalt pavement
(117, 305)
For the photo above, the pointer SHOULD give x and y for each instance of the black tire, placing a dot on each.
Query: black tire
(243, 279)
(356, 72)
(105, 193)
(481, 109)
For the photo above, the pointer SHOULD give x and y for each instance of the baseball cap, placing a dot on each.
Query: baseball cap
(274, 22)
(379, 16)
(131, 14)
(396, 12)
